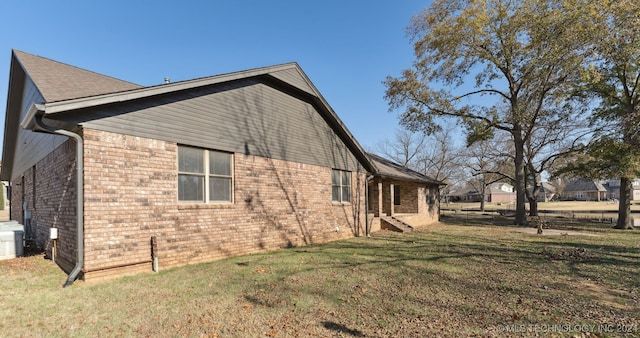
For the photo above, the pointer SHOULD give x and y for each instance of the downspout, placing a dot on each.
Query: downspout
(367, 228)
(79, 195)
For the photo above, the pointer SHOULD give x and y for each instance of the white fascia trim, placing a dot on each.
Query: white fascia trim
(28, 122)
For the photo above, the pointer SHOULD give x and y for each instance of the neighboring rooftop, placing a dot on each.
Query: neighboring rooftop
(585, 185)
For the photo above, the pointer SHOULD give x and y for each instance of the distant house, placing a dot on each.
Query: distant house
(189, 171)
(584, 190)
(547, 192)
(613, 189)
(498, 192)
(463, 194)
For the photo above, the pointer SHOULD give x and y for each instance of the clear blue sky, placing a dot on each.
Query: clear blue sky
(346, 47)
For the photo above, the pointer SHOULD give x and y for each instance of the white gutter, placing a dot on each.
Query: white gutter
(29, 120)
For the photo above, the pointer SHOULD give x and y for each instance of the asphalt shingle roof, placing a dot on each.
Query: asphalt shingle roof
(585, 185)
(388, 168)
(58, 81)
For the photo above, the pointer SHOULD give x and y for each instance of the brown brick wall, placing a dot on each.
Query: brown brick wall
(411, 194)
(408, 197)
(418, 199)
(16, 199)
(49, 189)
(131, 195)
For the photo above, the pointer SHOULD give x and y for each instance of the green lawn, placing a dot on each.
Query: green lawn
(443, 280)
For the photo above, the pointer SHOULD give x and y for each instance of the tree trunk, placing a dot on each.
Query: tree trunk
(483, 195)
(624, 206)
(521, 216)
(533, 198)
(532, 195)
(533, 206)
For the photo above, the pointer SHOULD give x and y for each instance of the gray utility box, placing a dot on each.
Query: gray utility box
(11, 240)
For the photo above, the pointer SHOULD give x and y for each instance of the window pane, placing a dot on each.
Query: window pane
(219, 163)
(335, 177)
(335, 193)
(346, 193)
(190, 188)
(220, 189)
(346, 178)
(190, 160)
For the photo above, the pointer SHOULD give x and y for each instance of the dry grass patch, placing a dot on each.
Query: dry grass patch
(441, 280)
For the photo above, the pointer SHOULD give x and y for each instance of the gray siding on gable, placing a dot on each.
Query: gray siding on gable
(294, 77)
(243, 117)
(32, 147)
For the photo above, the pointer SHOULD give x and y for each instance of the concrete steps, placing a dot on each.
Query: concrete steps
(394, 224)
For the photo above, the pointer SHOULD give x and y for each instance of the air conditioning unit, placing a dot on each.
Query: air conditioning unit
(11, 240)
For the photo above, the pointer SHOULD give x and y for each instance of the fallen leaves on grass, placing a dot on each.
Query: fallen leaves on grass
(29, 264)
(567, 254)
(443, 280)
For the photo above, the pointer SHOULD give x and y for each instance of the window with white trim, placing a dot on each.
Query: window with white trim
(340, 185)
(204, 175)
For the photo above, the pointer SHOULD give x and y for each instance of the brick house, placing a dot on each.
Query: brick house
(583, 189)
(198, 170)
(402, 194)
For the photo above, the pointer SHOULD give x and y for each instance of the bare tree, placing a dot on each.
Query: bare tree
(403, 148)
(435, 155)
(439, 157)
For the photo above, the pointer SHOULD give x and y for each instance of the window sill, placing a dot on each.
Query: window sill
(192, 206)
(340, 203)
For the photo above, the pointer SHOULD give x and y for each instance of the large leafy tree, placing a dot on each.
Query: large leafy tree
(614, 78)
(522, 54)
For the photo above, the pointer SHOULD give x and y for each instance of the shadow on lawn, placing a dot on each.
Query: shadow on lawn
(583, 257)
(492, 273)
(342, 329)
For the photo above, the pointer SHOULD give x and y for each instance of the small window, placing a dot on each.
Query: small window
(193, 163)
(396, 195)
(190, 174)
(220, 176)
(340, 185)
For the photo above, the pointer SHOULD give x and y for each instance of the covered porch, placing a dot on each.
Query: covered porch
(399, 198)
